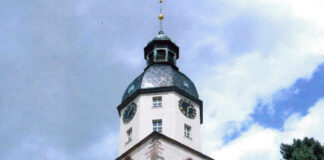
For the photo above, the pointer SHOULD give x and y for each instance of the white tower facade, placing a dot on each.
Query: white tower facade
(161, 113)
(173, 121)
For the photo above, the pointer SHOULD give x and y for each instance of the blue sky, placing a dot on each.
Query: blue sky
(64, 65)
(294, 99)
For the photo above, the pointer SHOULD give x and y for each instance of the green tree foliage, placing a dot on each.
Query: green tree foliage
(306, 149)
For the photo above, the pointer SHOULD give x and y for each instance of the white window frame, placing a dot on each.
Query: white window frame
(157, 125)
(157, 101)
(187, 131)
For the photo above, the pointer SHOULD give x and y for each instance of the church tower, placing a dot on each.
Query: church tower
(161, 113)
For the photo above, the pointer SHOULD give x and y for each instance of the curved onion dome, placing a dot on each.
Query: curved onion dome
(159, 76)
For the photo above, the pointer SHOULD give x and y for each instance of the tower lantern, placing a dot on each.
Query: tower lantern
(161, 50)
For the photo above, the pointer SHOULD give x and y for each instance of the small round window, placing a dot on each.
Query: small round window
(186, 84)
(131, 89)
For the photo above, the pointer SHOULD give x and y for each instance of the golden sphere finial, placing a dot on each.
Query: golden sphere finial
(161, 16)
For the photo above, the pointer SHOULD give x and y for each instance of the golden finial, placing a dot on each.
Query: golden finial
(161, 17)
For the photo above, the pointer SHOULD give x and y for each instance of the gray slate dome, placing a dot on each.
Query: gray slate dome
(158, 76)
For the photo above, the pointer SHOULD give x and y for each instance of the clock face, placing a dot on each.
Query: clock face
(129, 113)
(187, 108)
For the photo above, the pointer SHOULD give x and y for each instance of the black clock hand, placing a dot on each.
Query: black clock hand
(188, 109)
(126, 112)
(130, 111)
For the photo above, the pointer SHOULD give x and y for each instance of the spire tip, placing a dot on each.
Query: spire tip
(161, 17)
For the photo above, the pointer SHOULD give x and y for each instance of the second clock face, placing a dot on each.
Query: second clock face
(187, 108)
(129, 113)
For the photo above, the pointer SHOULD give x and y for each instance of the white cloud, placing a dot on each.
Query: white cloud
(311, 10)
(235, 87)
(257, 143)
(297, 126)
(39, 148)
(264, 143)
(104, 148)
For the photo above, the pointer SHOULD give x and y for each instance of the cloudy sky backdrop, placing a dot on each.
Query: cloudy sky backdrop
(64, 65)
